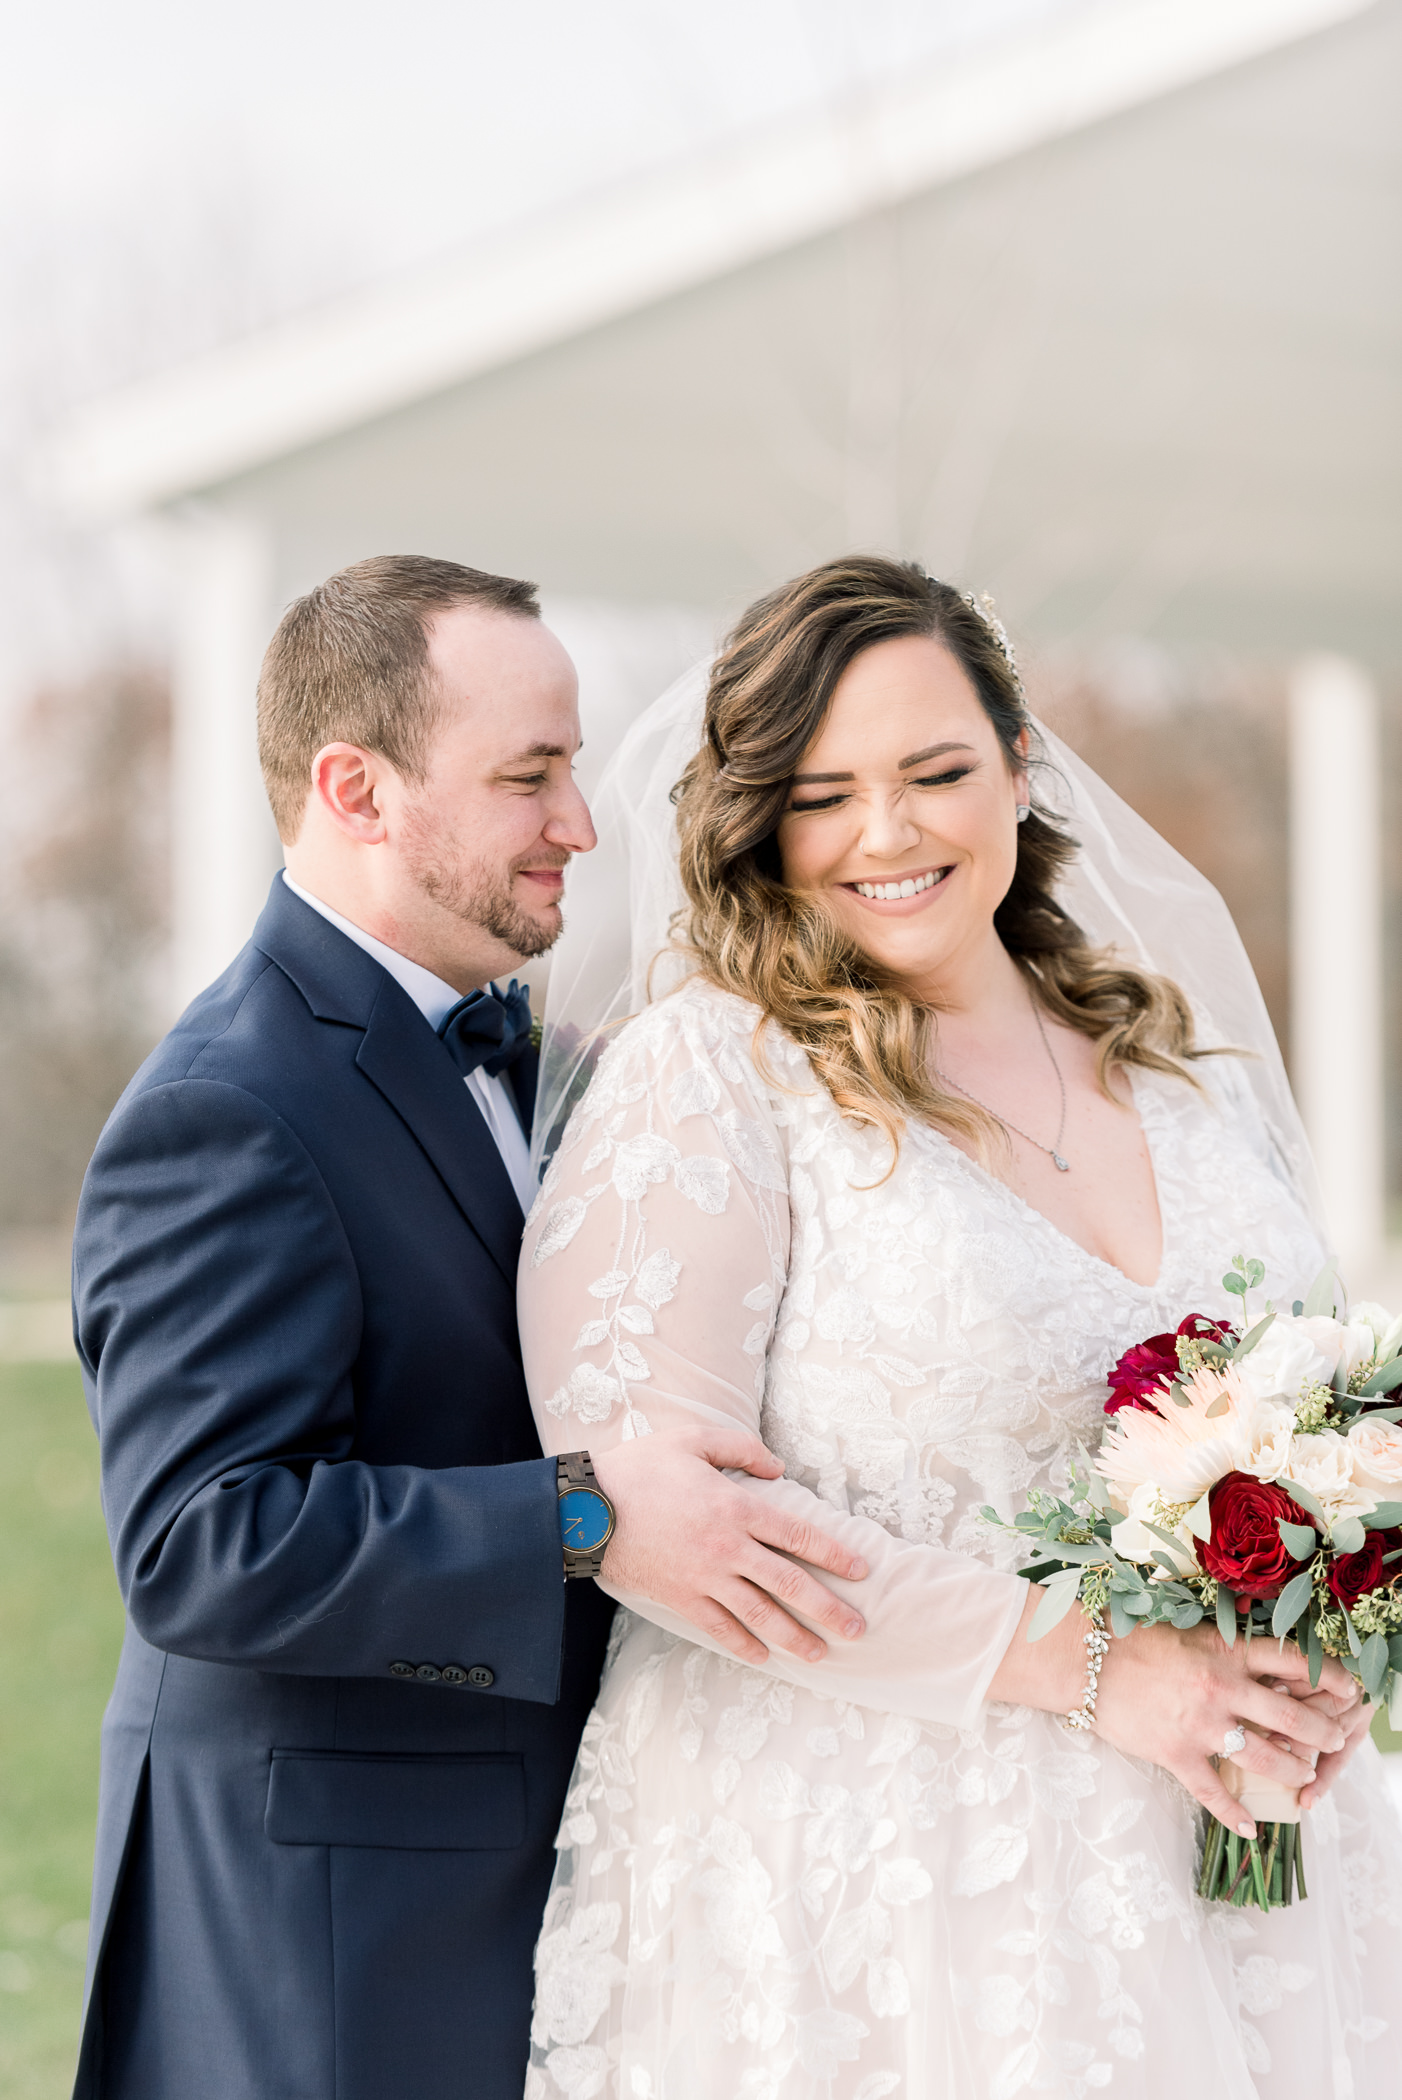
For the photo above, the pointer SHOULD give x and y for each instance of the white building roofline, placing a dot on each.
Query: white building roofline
(527, 287)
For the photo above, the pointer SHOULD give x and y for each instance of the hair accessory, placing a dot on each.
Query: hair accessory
(1024, 811)
(983, 605)
(1097, 1647)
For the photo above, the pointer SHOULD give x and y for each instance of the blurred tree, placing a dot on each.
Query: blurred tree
(1199, 749)
(82, 946)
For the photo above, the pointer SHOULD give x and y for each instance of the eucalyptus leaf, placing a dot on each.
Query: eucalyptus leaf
(1160, 1533)
(1139, 1606)
(1322, 1295)
(1120, 1621)
(1348, 1535)
(1199, 1517)
(1355, 1646)
(1188, 1615)
(1314, 1649)
(1300, 1539)
(1235, 1284)
(1253, 1335)
(1385, 1517)
(1394, 1650)
(1373, 1664)
(1255, 1274)
(1226, 1616)
(1292, 1600)
(1306, 1500)
(1060, 1596)
(1385, 1379)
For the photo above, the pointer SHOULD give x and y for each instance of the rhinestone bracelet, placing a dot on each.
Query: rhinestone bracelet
(1097, 1647)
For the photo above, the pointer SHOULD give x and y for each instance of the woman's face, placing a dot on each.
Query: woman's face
(902, 813)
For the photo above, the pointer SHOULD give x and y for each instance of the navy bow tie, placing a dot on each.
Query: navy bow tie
(488, 1028)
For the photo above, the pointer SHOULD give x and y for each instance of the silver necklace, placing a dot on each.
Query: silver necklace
(1053, 1152)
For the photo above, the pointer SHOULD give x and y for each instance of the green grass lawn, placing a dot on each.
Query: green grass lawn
(60, 1630)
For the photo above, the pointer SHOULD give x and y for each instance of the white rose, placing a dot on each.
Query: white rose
(1325, 1465)
(1377, 1454)
(1132, 1539)
(1373, 1316)
(1290, 1355)
(1262, 1437)
(1360, 1344)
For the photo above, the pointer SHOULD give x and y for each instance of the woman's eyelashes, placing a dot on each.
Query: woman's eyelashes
(926, 780)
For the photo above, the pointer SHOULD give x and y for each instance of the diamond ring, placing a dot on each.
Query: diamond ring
(1232, 1741)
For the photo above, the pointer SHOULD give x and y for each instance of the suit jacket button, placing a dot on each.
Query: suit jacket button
(479, 1677)
(428, 1673)
(401, 1669)
(454, 1673)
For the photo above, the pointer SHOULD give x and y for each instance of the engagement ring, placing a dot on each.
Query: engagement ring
(1232, 1741)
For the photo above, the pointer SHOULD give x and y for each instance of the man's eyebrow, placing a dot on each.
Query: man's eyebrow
(918, 758)
(536, 751)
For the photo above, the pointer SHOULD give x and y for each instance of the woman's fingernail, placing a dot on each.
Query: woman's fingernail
(857, 1572)
(1246, 1830)
(853, 1628)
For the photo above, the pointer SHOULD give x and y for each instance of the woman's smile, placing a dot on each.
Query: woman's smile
(898, 896)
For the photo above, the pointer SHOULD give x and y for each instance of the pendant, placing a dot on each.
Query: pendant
(1062, 1165)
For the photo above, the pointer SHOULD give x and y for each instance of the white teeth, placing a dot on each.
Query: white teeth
(887, 892)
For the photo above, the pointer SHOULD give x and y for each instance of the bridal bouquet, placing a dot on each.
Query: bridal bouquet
(1251, 1473)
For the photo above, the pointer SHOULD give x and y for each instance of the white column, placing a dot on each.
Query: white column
(1336, 1007)
(223, 844)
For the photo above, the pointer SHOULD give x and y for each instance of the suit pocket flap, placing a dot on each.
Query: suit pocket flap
(407, 1803)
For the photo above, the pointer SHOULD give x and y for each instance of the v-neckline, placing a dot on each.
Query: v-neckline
(1030, 1210)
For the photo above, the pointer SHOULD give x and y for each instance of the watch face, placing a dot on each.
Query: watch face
(585, 1520)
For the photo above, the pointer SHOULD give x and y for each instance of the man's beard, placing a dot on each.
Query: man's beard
(474, 892)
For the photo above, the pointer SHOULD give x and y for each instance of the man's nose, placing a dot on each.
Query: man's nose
(570, 824)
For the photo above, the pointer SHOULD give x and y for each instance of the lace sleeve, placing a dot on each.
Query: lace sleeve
(652, 1276)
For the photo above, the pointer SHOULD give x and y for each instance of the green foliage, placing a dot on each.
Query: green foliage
(60, 1631)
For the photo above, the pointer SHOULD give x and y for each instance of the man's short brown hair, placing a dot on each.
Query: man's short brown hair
(349, 665)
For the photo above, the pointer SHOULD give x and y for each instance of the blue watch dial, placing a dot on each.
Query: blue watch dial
(585, 1520)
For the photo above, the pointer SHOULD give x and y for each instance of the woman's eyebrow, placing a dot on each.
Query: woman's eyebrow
(918, 758)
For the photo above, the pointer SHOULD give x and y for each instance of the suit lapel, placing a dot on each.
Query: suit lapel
(399, 1055)
(522, 1078)
(419, 1080)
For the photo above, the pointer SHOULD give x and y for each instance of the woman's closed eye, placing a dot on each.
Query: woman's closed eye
(925, 780)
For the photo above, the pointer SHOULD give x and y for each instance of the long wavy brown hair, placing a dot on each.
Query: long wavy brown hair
(868, 1040)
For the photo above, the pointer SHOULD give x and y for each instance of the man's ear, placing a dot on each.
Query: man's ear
(348, 785)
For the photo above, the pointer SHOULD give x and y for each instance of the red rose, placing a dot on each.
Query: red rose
(1201, 1329)
(1352, 1575)
(1246, 1552)
(1139, 1378)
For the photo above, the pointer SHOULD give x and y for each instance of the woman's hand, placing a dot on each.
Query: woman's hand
(1355, 1722)
(1173, 1698)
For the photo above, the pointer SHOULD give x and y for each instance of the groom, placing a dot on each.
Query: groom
(355, 1675)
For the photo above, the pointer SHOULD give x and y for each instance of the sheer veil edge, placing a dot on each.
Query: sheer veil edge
(1127, 888)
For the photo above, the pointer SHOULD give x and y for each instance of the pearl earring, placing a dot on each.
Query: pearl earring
(1024, 811)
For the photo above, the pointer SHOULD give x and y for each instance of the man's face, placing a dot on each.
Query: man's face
(484, 839)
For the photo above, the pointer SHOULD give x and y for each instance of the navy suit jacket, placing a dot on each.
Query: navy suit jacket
(354, 1678)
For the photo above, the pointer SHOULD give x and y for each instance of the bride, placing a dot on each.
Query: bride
(893, 1175)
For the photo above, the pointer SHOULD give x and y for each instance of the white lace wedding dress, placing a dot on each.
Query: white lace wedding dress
(861, 1879)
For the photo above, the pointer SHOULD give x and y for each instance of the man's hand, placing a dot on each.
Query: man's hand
(689, 1539)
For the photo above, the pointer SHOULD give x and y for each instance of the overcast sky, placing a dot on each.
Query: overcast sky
(174, 174)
